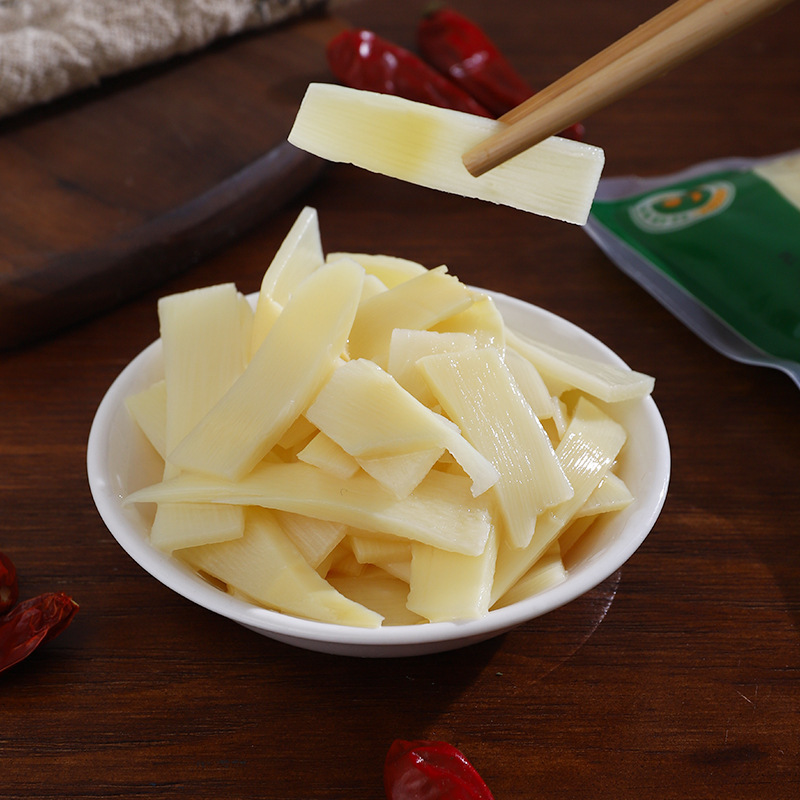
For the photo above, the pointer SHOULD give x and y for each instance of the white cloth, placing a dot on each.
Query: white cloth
(49, 48)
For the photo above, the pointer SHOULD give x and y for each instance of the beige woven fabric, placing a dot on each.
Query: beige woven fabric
(49, 48)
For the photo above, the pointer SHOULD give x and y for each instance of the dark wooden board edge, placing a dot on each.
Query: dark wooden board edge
(74, 287)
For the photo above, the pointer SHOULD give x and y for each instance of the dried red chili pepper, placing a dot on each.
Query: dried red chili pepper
(362, 60)
(462, 51)
(9, 588)
(32, 623)
(425, 770)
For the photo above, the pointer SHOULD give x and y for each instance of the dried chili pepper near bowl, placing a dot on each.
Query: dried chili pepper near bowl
(32, 623)
(363, 60)
(463, 52)
(9, 587)
(426, 770)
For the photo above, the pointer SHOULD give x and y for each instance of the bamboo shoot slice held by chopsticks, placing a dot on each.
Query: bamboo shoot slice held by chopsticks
(514, 161)
(423, 144)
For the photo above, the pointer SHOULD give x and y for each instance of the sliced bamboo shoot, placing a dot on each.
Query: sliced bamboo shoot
(546, 573)
(587, 451)
(364, 409)
(601, 380)
(481, 320)
(424, 144)
(296, 358)
(381, 592)
(417, 303)
(478, 392)
(451, 586)
(324, 453)
(149, 411)
(205, 344)
(314, 538)
(390, 270)
(408, 346)
(299, 255)
(441, 511)
(266, 566)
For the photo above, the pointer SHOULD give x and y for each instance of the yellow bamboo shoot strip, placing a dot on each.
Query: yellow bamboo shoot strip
(324, 453)
(266, 566)
(315, 538)
(408, 346)
(390, 270)
(149, 411)
(205, 348)
(477, 391)
(381, 592)
(423, 144)
(586, 453)
(530, 384)
(611, 494)
(601, 380)
(364, 409)
(402, 473)
(441, 511)
(296, 358)
(416, 303)
(481, 320)
(451, 586)
(299, 255)
(546, 573)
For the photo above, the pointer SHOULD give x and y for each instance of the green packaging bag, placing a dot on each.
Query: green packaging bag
(719, 246)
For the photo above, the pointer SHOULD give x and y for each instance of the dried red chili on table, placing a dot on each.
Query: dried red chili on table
(423, 770)
(32, 623)
(462, 51)
(9, 588)
(362, 60)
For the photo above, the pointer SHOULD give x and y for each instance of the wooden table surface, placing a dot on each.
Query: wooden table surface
(679, 677)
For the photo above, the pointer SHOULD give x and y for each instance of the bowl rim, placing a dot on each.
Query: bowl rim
(176, 576)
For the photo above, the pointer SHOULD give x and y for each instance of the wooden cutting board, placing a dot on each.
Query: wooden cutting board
(111, 191)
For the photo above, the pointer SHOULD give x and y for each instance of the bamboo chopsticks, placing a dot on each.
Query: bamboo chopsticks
(681, 31)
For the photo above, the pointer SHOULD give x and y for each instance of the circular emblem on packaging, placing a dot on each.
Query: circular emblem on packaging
(674, 209)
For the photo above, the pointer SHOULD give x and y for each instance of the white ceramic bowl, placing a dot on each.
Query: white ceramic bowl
(119, 461)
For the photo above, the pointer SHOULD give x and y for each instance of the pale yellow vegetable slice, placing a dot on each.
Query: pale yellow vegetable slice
(604, 381)
(574, 532)
(441, 511)
(149, 411)
(295, 360)
(179, 525)
(477, 391)
(587, 451)
(417, 303)
(205, 347)
(450, 586)
(298, 256)
(402, 473)
(265, 565)
(390, 270)
(370, 549)
(611, 494)
(546, 573)
(481, 320)
(424, 144)
(324, 453)
(315, 538)
(370, 415)
(381, 592)
(408, 346)
(530, 383)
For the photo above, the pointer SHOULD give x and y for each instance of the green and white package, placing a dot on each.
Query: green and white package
(719, 246)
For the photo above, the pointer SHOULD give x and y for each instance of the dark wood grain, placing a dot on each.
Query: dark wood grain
(112, 191)
(678, 678)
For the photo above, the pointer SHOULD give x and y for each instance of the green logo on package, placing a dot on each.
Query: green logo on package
(675, 209)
